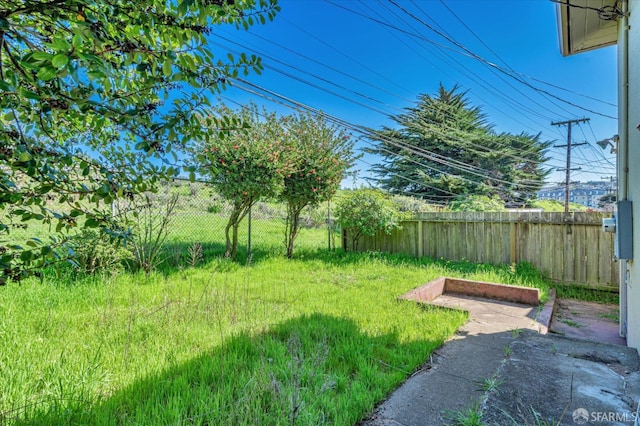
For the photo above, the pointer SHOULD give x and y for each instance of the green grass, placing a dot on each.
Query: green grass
(582, 292)
(470, 416)
(317, 339)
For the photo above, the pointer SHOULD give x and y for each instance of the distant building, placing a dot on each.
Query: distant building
(586, 193)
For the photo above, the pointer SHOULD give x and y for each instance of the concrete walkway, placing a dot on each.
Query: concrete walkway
(533, 378)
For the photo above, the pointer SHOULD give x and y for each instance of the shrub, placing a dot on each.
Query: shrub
(321, 154)
(94, 251)
(245, 164)
(412, 204)
(367, 212)
(214, 208)
(150, 218)
(477, 203)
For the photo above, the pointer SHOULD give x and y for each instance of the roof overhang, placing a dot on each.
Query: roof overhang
(581, 28)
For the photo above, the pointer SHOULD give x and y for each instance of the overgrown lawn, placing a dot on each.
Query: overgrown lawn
(313, 340)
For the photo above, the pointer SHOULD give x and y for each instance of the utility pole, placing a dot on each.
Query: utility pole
(567, 180)
(610, 190)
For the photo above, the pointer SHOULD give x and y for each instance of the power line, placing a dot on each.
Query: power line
(399, 144)
(483, 60)
(466, 52)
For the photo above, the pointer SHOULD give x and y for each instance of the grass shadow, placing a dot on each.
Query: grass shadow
(313, 369)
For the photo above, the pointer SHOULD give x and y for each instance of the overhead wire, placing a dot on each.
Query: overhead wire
(290, 103)
(535, 130)
(485, 149)
(478, 146)
(367, 132)
(468, 53)
(491, 64)
(477, 79)
(490, 69)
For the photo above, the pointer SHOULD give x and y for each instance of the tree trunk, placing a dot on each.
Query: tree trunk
(231, 246)
(234, 249)
(240, 210)
(293, 226)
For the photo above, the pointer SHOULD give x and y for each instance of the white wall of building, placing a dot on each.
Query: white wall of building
(629, 128)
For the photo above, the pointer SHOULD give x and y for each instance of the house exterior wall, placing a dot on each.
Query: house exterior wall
(632, 131)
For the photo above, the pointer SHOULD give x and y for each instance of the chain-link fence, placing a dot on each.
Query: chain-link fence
(200, 217)
(195, 218)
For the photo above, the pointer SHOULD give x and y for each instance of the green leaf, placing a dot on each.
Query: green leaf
(26, 256)
(29, 94)
(91, 223)
(76, 40)
(24, 157)
(166, 68)
(41, 56)
(47, 73)
(60, 60)
(60, 44)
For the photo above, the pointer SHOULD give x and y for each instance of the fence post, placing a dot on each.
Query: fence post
(513, 238)
(249, 236)
(420, 238)
(329, 224)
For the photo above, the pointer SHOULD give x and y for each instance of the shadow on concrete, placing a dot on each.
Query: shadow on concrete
(500, 369)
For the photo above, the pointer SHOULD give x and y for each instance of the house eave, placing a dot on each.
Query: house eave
(581, 28)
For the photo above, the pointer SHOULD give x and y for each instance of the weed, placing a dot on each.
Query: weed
(470, 416)
(195, 254)
(490, 384)
(150, 218)
(572, 323)
(612, 316)
(507, 351)
(516, 332)
(529, 417)
(566, 291)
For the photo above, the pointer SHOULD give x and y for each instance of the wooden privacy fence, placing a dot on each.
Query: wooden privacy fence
(566, 247)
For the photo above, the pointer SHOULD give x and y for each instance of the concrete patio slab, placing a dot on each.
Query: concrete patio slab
(541, 378)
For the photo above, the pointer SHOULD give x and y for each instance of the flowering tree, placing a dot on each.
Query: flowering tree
(245, 163)
(319, 156)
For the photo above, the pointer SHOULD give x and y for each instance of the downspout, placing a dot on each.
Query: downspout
(623, 147)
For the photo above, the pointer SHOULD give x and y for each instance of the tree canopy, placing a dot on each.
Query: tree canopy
(95, 99)
(444, 147)
(244, 164)
(300, 159)
(320, 155)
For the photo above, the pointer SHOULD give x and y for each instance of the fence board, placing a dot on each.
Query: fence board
(565, 247)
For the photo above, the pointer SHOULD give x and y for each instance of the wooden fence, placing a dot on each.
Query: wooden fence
(570, 248)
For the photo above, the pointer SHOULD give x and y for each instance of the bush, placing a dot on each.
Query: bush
(366, 212)
(150, 218)
(93, 251)
(477, 203)
(214, 208)
(412, 204)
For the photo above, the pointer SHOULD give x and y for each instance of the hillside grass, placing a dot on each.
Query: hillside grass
(318, 339)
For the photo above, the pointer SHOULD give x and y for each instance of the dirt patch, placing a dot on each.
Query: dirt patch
(587, 320)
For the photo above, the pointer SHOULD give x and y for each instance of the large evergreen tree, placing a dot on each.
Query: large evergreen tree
(443, 148)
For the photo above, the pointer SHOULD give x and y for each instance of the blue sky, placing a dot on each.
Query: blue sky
(362, 61)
